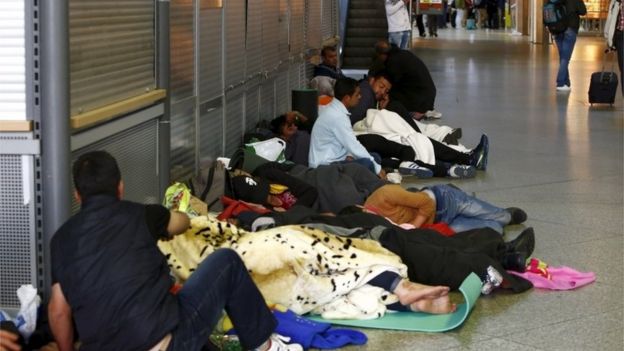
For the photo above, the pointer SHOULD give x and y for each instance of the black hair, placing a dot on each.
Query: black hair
(344, 87)
(96, 173)
(277, 123)
(379, 73)
(327, 48)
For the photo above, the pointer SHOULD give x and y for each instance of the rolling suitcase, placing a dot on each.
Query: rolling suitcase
(602, 87)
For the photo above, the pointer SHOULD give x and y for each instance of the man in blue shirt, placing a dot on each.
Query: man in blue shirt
(332, 137)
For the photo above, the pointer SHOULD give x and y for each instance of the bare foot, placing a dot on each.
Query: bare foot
(439, 305)
(410, 292)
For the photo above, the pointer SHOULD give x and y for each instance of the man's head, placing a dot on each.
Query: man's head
(97, 173)
(284, 126)
(347, 90)
(382, 48)
(329, 55)
(380, 82)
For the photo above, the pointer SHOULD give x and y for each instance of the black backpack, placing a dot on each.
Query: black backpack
(210, 184)
(555, 16)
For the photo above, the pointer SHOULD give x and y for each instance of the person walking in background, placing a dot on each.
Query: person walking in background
(432, 25)
(614, 29)
(566, 40)
(399, 25)
(460, 18)
(492, 13)
(482, 16)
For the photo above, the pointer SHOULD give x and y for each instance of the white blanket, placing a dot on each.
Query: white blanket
(392, 127)
(305, 269)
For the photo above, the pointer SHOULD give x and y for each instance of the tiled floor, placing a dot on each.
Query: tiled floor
(556, 157)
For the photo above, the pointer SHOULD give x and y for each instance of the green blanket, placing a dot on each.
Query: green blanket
(424, 322)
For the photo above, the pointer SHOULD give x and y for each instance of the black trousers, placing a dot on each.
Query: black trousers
(618, 41)
(438, 260)
(389, 149)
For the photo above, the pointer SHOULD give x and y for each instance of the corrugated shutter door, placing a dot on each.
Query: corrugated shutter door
(234, 42)
(293, 77)
(297, 9)
(182, 50)
(111, 51)
(270, 31)
(211, 131)
(233, 122)
(327, 20)
(283, 30)
(210, 53)
(267, 100)
(182, 139)
(252, 108)
(313, 28)
(12, 61)
(253, 40)
(282, 93)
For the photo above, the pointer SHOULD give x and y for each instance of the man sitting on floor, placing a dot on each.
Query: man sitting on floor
(112, 281)
(332, 138)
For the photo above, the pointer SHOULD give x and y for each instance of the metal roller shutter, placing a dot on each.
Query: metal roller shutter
(253, 40)
(267, 100)
(111, 51)
(182, 50)
(210, 54)
(135, 150)
(211, 130)
(282, 93)
(234, 24)
(234, 122)
(252, 108)
(283, 24)
(270, 31)
(313, 24)
(327, 19)
(182, 139)
(295, 31)
(293, 76)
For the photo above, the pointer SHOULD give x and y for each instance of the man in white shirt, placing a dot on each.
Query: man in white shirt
(399, 25)
(332, 137)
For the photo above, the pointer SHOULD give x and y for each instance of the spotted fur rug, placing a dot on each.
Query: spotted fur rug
(305, 269)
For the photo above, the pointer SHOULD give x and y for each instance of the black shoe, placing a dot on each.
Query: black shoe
(525, 242)
(517, 215)
(479, 155)
(515, 261)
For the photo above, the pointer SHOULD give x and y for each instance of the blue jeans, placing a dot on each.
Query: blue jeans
(400, 39)
(463, 212)
(366, 162)
(221, 282)
(565, 44)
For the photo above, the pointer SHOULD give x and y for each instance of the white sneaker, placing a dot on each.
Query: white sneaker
(462, 171)
(564, 88)
(433, 114)
(279, 343)
(411, 168)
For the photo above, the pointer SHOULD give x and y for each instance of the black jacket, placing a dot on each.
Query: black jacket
(574, 9)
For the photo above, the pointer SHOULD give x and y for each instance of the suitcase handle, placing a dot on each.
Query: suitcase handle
(604, 60)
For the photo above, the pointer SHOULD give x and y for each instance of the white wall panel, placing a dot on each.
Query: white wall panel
(12, 61)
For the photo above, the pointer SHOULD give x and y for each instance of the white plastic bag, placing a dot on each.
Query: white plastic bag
(26, 320)
(270, 149)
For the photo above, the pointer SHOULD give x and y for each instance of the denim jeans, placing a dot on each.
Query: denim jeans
(463, 212)
(565, 44)
(366, 162)
(221, 282)
(400, 39)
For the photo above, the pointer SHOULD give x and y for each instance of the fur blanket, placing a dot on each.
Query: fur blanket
(305, 269)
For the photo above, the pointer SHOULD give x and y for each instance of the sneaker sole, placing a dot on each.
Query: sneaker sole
(420, 173)
(468, 172)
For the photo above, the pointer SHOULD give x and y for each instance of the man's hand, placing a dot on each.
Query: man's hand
(8, 341)
(382, 174)
(383, 103)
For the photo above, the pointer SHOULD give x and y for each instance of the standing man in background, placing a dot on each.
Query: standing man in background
(399, 25)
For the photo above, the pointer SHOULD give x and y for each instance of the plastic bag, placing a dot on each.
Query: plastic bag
(270, 149)
(26, 320)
